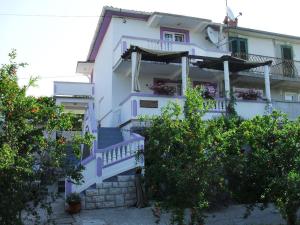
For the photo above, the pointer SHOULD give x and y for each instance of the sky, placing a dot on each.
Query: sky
(52, 45)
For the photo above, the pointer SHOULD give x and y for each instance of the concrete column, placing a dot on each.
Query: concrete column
(267, 82)
(133, 66)
(184, 74)
(226, 80)
(268, 88)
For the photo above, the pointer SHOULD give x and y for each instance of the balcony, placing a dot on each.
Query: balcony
(280, 68)
(74, 96)
(161, 45)
(73, 89)
(292, 109)
(145, 104)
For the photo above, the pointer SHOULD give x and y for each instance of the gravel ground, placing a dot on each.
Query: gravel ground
(233, 215)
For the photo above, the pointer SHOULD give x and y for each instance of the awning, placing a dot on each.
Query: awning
(155, 55)
(235, 64)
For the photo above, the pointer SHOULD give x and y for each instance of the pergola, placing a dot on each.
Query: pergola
(224, 63)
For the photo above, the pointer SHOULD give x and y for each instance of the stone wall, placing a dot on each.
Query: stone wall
(110, 194)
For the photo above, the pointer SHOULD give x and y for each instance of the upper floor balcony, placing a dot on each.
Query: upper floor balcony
(74, 96)
(279, 69)
(161, 45)
(73, 89)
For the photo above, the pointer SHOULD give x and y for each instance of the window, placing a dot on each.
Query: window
(172, 36)
(168, 37)
(287, 60)
(286, 52)
(290, 96)
(179, 37)
(238, 47)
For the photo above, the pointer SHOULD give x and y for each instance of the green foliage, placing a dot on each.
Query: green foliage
(265, 152)
(181, 171)
(31, 159)
(193, 163)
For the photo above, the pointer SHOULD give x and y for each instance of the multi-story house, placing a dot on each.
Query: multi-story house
(139, 61)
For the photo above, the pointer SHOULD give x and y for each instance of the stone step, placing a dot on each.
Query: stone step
(122, 178)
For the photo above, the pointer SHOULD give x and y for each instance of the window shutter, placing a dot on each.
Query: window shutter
(277, 51)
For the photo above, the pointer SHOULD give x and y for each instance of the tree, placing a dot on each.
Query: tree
(265, 152)
(31, 159)
(182, 169)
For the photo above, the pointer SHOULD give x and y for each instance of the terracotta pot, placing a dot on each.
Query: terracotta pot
(74, 208)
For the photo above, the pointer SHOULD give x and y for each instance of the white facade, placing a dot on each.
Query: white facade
(119, 29)
(111, 98)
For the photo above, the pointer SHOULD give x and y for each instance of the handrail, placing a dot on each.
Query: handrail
(279, 66)
(168, 42)
(120, 144)
(142, 94)
(101, 159)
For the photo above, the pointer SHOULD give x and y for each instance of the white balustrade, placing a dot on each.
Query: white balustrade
(120, 151)
(161, 45)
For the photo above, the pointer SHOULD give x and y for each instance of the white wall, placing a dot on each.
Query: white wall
(103, 76)
(139, 28)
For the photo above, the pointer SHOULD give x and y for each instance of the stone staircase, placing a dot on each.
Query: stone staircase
(106, 179)
(118, 192)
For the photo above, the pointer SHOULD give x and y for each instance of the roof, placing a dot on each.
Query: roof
(235, 64)
(268, 33)
(155, 55)
(103, 23)
(109, 12)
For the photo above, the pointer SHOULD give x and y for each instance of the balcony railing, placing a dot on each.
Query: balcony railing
(141, 104)
(161, 45)
(62, 88)
(279, 66)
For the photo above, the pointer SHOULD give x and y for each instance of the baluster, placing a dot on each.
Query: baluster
(108, 158)
(130, 149)
(127, 149)
(121, 151)
(103, 158)
(117, 153)
(112, 153)
(134, 148)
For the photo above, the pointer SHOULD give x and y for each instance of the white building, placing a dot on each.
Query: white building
(139, 61)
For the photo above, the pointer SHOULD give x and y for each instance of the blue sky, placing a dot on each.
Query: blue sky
(53, 45)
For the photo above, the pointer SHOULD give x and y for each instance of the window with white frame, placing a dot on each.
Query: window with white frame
(290, 96)
(173, 36)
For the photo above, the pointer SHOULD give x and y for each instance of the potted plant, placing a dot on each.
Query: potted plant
(74, 202)
(249, 95)
(208, 93)
(162, 89)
